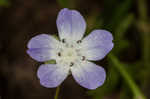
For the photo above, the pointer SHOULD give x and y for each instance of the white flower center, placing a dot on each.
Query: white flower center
(69, 53)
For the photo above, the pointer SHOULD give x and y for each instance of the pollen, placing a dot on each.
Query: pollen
(70, 54)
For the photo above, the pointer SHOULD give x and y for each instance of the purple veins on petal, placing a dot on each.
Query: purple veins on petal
(41, 46)
(97, 44)
(40, 54)
(42, 41)
(70, 24)
(89, 75)
(52, 75)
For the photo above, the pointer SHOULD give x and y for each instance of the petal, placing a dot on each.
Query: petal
(97, 44)
(42, 41)
(71, 25)
(96, 53)
(52, 75)
(89, 75)
(40, 54)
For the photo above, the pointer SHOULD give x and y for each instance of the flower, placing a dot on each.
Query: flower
(72, 53)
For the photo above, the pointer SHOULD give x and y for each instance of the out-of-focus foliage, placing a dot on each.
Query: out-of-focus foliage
(4, 3)
(66, 3)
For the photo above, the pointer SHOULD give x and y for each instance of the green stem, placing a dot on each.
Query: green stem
(143, 26)
(57, 92)
(134, 88)
(142, 7)
(145, 31)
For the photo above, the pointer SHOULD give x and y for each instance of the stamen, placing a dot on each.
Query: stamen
(72, 46)
(63, 40)
(59, 54)
(79, 41)
(71, 64)
(83, 58)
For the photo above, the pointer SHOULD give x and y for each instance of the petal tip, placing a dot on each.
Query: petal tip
(47, 85)
(51, 76)
(101, 83)
(89, 75)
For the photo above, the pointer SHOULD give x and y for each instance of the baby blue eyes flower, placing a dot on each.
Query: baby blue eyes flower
(73, 53)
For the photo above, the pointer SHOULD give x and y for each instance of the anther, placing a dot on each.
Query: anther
(83, 58)
(72, 46)
(59, 54)
(63, 40)
(79, 41)
(71, 64)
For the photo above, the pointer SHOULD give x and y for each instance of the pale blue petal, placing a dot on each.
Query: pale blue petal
(97, 44)
(52, 75)
(89, 75)
(43, 41)
(71, 25)
(40, 54)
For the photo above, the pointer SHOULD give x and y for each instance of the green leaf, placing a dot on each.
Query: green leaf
(137, 93)
(67, 3)
(63, 3)
(50, 62)
(4, 3)
(124, 26)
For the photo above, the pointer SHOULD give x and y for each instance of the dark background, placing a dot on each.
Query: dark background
(128, 20)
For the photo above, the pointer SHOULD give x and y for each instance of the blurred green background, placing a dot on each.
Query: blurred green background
(127, 66)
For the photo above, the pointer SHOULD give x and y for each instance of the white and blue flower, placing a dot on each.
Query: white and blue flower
(73, 53)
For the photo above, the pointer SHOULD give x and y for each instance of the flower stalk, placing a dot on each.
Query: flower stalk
(57, 92)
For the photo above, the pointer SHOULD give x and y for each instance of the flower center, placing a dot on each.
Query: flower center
(70, 54)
